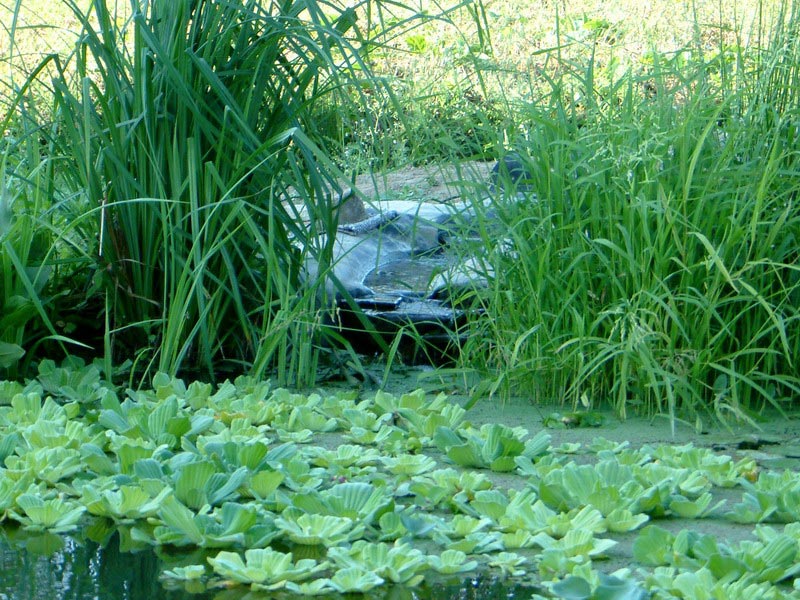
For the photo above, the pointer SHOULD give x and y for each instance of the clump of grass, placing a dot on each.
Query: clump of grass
(182, 128)
(656, 268)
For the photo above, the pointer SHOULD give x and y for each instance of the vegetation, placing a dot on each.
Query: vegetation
(657, 264)
(158, 162)
(165, 168)
(253, 487)
(167, 172)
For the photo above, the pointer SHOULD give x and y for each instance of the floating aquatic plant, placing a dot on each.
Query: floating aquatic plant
(509, 563)
(314, 529)
(489, 503)
(56, 515)
(718, 468)
(354, 580)
(701, 584)
(346, 455)
(125, 504)
(385, 434)
(492, 447)
(231, 525)
(187, 573)
(460, 526)
(474, 543)
(694, 509)
(190, 467)
(398, 563)
(608, 588)
(265, 569)
(416, 401)
(576, 542)
(49, 465)
(448, 487)
(425, 425)
(452, 561)
(621, 520)
(773, 496)
(408, 465)
(305, 418)
(360, 501)
(391, 527)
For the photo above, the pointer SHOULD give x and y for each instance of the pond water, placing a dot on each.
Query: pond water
(51, 567)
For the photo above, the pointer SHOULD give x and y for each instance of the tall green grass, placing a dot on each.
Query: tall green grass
(657, 266)
(38, 251)
(182, 131)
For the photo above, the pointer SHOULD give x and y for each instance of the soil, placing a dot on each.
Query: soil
(437, 183)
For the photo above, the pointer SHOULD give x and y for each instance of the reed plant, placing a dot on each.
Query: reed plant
(41, 243)
(656, 266)
(185, 131)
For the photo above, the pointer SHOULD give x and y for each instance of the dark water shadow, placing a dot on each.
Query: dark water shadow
(45, 566)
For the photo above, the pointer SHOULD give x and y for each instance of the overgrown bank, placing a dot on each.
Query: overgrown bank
(655, 268)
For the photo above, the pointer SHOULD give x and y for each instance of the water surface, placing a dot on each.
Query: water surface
(51, 567)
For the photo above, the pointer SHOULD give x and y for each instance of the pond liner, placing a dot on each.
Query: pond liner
(428, 327)
(398, 269)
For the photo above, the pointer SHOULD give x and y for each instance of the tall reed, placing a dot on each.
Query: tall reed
(656, 267)
(187, 126)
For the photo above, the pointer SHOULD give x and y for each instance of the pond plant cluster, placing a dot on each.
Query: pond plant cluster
(318, 494)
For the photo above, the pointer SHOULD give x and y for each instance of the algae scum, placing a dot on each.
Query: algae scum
(248, 491)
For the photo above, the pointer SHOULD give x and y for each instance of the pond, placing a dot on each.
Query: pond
(51, 567)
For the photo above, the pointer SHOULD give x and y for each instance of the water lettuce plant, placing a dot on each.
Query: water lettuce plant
(264, 569)
(493, 447)
(187, 467)
(608, 587)
(311, 529)
(398, 563)
(360, 501)
(452, 561)
(55, 514)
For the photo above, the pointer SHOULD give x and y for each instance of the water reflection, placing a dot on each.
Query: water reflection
(50, 567)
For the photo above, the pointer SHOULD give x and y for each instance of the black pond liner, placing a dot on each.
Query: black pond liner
(430, 324)
(51, 567)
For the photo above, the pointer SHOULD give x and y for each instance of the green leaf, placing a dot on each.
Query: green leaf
(465, 455)
(409, 464)
(192, 482)
(398, 563)
(490, 503)
(694, 509)
(353, 579)
(613, 588)
(310, 529)
(445, 438)
(179, 518)
(452, 561)
(55, 514)
(653, 546)
(225, 486)
(264, 483)
(572, 588)
(357, 500)
(10, 354)
(622, 520)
